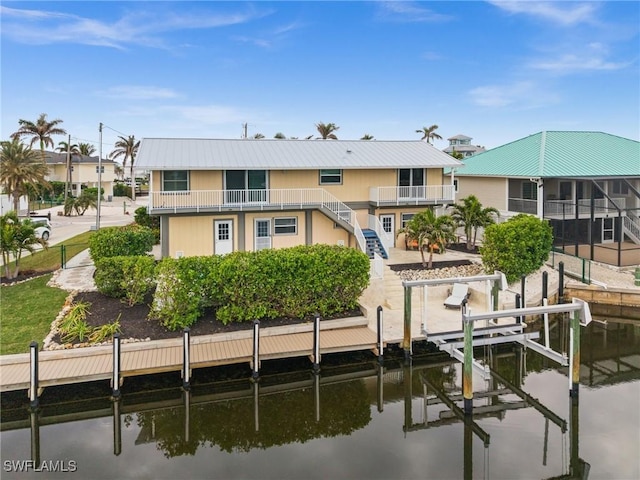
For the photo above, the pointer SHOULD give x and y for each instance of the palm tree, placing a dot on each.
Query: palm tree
(86, 149)
(41, 130)
(16, 236)
(326, 130)
(258, 136)
(119, 171)
(456, 155)
(472, 216)
(19, 168)
(431, 232)
(128, 149)
(280, 136)
(366, 136)
(428, 133)
(72, 150)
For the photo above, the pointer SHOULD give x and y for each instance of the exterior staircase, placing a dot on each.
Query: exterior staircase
(373, 244)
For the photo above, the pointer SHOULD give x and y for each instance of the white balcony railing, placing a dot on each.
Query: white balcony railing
(412, 195)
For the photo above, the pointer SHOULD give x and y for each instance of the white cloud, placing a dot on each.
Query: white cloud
(133, 28)
(139, 92)
(563, 13)
(594, 57)
(520, 95)
(408, 12)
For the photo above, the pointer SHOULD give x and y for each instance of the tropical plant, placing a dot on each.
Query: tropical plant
(41, 130)
(472, 216)
(127, 148)
(326, 130)
(72, 150)
(106, 331)
(19, 168)
(86, 149)
(457, 155)
(15, 237)
(280, 136)
(119, 171)
(258, 136)
(517, 247)
(429, 133)
(81, 204)
(430, 232)
(366, 136)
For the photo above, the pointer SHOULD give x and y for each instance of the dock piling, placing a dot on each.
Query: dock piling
(406, 342)
(561, 283)
(33, 369)
(467, 366)
(186, 358)
(256, 350)
(575, 357)
(518, 305)
(115, 379)
(380, 339)
(316, 343)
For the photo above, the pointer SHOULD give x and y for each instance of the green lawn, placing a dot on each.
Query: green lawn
(26, 313)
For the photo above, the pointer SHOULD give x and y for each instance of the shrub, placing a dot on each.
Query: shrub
(130, 240)
(517, 247)
(121, 190)
(142, 217)
(128, 277)
(74, 324)
(183, 290)
(292, 282)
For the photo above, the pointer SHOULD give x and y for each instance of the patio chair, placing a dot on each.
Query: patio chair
(458, 294)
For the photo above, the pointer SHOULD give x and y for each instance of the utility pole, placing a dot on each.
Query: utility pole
(67, 180)
(99, 179)
(244, 130)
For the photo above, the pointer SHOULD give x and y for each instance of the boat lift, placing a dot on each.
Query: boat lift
(460, 343)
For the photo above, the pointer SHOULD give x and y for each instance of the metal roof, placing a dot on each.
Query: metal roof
(555, 154)
(273, 154)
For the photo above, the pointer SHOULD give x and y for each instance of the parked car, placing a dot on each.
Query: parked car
(42, 227)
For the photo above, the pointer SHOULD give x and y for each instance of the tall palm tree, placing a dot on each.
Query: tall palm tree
(431, 232)
(429, 133)
(20, 167)
(40, 130)
(127, 147)
(71, 150)
(366, 136)
(472, 216)
(326, 130)
(258, 136)
(86, 149)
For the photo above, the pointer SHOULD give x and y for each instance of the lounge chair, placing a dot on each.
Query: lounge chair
(457, 295)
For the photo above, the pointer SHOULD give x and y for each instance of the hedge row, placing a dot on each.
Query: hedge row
(130, 240)
(293, 282)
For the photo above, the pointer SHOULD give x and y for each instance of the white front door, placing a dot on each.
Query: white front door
(262, 233)
(608, 230)
(223, 237)
(388, 225)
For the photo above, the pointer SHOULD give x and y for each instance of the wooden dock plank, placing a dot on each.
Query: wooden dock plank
(73, 366)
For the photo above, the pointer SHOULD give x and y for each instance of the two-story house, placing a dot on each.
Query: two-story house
(83, 172)
(462, 145)
(216, 196)
(587, 184)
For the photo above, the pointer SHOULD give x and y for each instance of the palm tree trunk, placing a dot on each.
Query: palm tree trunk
(424, 262)
(133, 184)
(430, 257)
(16, 202)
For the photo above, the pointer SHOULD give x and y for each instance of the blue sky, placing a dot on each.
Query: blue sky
(495, 71)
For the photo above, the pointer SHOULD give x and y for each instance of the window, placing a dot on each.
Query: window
(330, 177)
(411, 177)
(620, 188)
(529, 190)
(285, 226)
(455, 185)
(405, 217)
(101, 169)
(175, 180)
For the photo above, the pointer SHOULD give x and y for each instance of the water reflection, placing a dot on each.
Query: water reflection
(356, 413)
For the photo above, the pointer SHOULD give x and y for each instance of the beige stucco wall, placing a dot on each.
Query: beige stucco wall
(86, 174)
(491, 192)
(324, 231)
(193, 235)
(277, 241)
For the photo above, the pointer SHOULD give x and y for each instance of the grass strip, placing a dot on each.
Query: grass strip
(26, 312)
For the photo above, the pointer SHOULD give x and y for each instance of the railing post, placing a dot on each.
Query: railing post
(186, 358)
(406, 342)
(519, 318)
(380, 335)
(561, 282)
(115, 379)
(467, 367)
(545, 281)
(34, 377)
(523, 284)
(316, 343)
(256, 349)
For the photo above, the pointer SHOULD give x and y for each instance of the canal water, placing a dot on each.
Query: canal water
(355, 420)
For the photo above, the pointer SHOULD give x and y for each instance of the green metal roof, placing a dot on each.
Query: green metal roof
(558, 154)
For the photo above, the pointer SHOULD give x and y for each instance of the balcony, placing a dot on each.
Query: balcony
(567, 208)
(421, 195)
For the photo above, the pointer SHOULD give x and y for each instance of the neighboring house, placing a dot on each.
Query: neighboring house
(462, 145)
(216, 196)
(586, 184)
(6, 204)
(84, 172)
